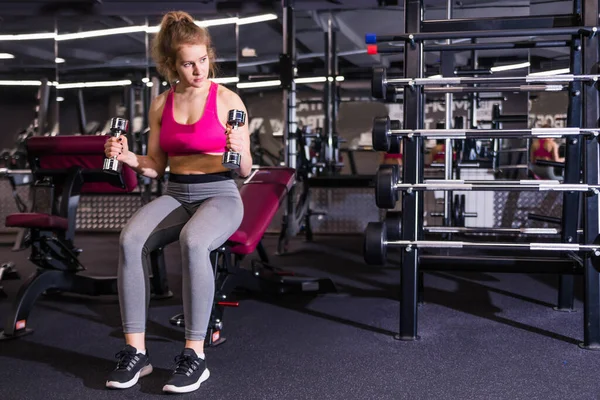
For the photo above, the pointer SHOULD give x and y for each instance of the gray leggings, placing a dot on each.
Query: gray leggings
(545, 172)
(202, 216)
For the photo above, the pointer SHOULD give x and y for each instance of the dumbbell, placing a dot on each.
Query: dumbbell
(118, 127)
(386, 179)
(377, 233)
(382, 134)
(235, 119)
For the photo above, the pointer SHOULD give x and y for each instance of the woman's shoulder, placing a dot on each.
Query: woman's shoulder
(158, 103)
(227, 96)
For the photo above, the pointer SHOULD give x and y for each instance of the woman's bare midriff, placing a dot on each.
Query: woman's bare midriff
(196, 164)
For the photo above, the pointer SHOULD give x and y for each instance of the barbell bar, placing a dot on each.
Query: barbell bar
(376, 243)
(382, 87)
(383, 130)
(490, 185)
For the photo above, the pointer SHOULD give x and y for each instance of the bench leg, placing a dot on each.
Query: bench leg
(42, 280)
(159, 282)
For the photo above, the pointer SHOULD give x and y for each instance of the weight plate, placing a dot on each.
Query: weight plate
(386, 195)
(374, 248)
(379, 134)
(378, 87)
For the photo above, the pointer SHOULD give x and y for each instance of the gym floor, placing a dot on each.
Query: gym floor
(483, 336)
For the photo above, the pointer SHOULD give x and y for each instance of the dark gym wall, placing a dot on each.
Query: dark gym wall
(17, 110)
(265, 111)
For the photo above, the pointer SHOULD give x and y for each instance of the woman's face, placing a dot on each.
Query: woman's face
(192, 64)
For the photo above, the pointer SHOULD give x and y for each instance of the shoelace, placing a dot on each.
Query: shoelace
(184, 364)
(124, 358)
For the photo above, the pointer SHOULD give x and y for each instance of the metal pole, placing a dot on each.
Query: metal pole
(56, 128)
(412, 173)
(591, 225)
(474, 96)
(571, 200)
(82, 119)
(289, 93)
(327, 92)
(448, 70)
(287, 62)
(237, 53)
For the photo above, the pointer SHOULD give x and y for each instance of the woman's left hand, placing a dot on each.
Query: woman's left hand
(235, 139)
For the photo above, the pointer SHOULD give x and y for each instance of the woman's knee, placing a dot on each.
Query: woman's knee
(194, 241)
(132, 238)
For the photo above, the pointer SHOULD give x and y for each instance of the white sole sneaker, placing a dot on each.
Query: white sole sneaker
(147, 370)
(188, 388)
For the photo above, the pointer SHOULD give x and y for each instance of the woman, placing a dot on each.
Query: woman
(544, 149)
(201, 207)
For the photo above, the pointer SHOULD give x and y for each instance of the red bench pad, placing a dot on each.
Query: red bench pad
(61, 152)
(36, 220)
(261, 194)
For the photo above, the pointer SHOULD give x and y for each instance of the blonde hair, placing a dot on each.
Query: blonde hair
(178, 28)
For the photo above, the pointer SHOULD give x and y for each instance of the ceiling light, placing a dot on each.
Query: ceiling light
(509, 67)
(215, 22)
(248, 85)
(80, 85)
(552, 72)
(256, 18)
(28, 36)
(133, 29)
(59, 60)
(318, 79)
(314, 79)
(6, 56)
(101, 32)
(20, 83)
(225, 80)
(248, 52)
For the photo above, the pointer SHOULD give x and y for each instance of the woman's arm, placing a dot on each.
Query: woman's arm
(534, 146)
(239, 140)
(555, 154)
(154, 164)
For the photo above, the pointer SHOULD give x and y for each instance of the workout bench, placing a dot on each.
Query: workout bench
(262, 194)
(69, 166)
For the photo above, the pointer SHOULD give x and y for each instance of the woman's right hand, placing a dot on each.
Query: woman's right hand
(117, 147)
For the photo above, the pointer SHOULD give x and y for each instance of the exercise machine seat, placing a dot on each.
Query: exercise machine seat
(37, 220)
(87, 152)
(261, 194)
(54, 156)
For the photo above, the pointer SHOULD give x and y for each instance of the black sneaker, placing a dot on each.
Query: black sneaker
(130, 367)
(190, 372)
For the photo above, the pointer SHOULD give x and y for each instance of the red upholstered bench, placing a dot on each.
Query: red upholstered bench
(69, 166)
(262, 194)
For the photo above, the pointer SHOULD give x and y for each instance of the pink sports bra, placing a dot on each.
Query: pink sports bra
(541, 152)
(207, 135)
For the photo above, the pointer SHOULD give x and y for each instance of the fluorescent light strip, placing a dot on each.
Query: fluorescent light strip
(6, 56)
(318, 79)
(20, 83)
(552, 72)
(509, 67)
(28, 36)
(315, 79)
(248, 85)
(225, 80)
(80, 85)
(101, 32)
(256, 18)
(214, 22)
(155, 29)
